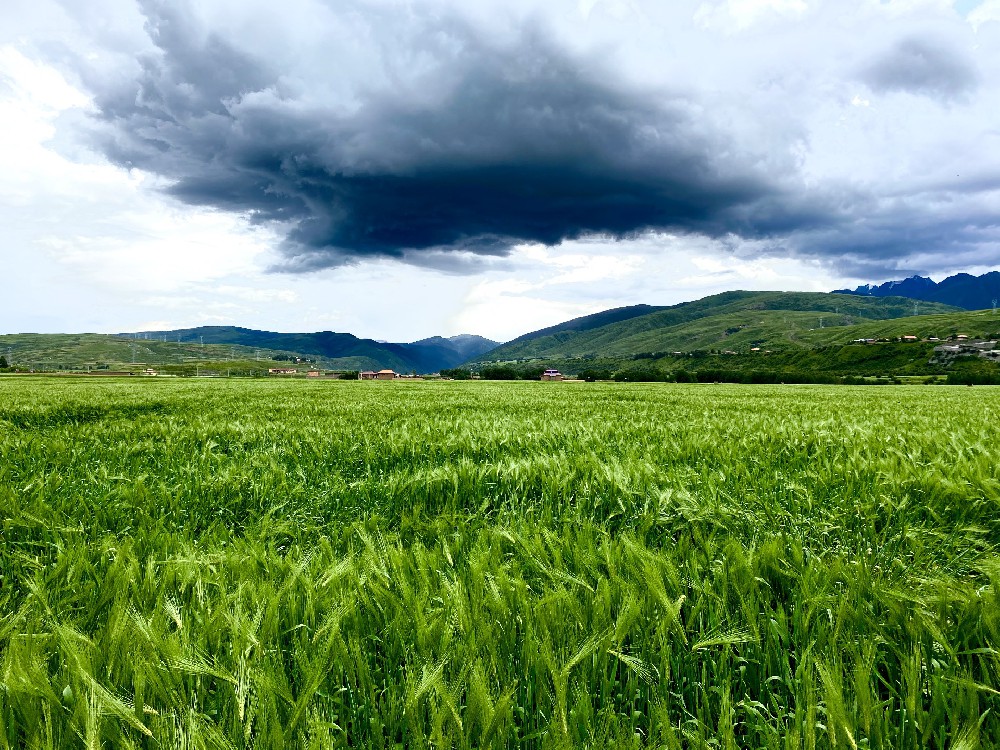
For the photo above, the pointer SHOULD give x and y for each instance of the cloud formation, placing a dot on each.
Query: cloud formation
(499, 143)
(922, 66)
(362, 130)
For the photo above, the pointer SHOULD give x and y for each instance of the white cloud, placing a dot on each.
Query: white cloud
(739, 15)
(986, 12)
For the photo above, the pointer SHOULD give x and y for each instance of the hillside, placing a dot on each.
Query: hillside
(961, 290)
(590, 322)
(728, 321)
(54, 351)
(218, 347)
(341, 349)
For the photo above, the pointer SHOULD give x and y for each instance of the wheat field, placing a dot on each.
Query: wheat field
(259, 564)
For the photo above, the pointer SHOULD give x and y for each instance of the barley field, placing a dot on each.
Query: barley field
(259, 564)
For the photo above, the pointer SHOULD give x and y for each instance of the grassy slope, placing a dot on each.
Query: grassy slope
(818, 339)
(326, 344)
(290, 564)
(774, 319)
(589, 322)
(75, 351)
(427, 355)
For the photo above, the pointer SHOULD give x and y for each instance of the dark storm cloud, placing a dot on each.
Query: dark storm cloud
(491, 141)
(922, 66)
(513, 143)
(885, 237)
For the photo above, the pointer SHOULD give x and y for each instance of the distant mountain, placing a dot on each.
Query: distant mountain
(961, 290)
(464, 345)
(732, 321)
(340, 349)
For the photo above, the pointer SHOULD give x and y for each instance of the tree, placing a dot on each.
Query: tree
(3, 362)
(593, 374)
(501, 372)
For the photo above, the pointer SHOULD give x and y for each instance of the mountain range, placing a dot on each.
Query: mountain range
(804, 331)
(961, 290)
(338, 350)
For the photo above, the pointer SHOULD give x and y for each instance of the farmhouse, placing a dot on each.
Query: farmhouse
(380, 375)
(552, 375)
(281, 371)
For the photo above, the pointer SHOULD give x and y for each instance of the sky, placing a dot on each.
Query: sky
(402, 169)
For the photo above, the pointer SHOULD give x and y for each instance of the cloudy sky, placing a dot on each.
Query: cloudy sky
(399, 169)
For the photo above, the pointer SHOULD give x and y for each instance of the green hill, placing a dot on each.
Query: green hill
(728, 321)
(794, 334)
(75, 351)
(590, 322)
(215, 346)
(343, 349)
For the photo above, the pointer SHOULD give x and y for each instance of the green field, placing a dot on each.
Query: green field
(219, 564)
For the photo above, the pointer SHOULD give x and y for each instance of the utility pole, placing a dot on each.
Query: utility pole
(916, 308)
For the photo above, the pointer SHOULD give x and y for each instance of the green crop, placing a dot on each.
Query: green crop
(515, 565)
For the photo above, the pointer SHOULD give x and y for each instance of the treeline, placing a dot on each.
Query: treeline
(973, 378)
(498, 372)
(722, 376)
(717, 375)
(655, 375)
(708, 375)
